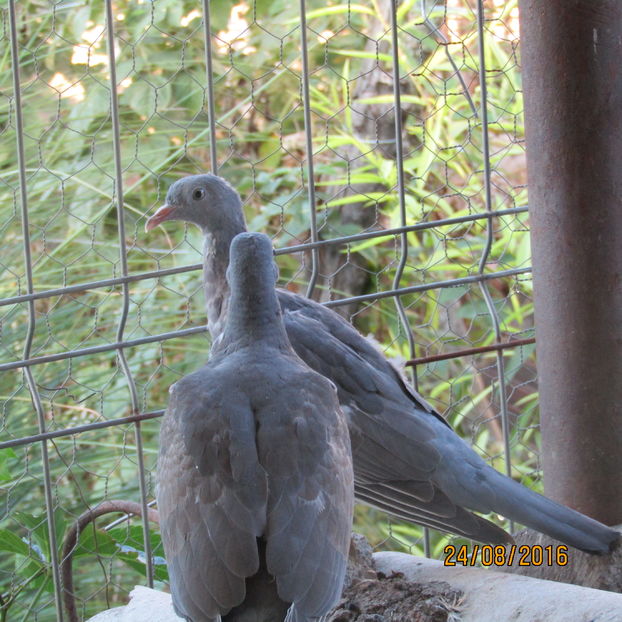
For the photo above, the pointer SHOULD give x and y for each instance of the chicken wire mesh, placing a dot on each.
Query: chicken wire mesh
(413, 226)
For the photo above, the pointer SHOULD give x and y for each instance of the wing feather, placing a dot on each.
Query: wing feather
(394, 448)
(310, 517)
(212, 495)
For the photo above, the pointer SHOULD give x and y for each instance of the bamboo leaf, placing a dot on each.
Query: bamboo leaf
(11, 543)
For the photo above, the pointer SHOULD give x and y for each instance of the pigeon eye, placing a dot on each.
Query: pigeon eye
(198, 194)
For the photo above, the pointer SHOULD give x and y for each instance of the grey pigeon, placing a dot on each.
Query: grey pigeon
(255, 484)
(407, 459)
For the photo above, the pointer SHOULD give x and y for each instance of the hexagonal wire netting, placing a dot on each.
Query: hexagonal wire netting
(411, 225)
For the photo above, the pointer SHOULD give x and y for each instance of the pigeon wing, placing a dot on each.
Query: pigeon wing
(311, 495)
(212, 495)
(395, 450)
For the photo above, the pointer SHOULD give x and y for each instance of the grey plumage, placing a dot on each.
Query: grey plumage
(255, 489)
(407, 460)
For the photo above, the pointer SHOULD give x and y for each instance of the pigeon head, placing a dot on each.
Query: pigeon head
(206, 200)
(251, 265)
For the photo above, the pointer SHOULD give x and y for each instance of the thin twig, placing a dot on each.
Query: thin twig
(71, 540)
(494, 347)
(11, 597)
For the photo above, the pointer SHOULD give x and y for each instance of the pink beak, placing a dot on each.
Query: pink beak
(164, 213)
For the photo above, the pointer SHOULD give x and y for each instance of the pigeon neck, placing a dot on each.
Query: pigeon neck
(215, 286)
(254, 315)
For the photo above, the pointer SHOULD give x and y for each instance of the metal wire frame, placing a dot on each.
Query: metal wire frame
(28, 362)
(298, 248)
(26, 440)
(315, 258)
(32, 385)
(494, 316)
(118, 175)
(391, 293)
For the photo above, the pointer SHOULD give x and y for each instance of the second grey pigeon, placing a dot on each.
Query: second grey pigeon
(255, 484)
(407, 459)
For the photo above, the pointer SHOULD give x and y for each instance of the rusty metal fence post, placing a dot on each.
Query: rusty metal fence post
(572, 52)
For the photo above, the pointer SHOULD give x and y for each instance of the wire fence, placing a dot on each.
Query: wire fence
(380, 144)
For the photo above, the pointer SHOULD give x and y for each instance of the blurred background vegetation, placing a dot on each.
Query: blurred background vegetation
(261, 150)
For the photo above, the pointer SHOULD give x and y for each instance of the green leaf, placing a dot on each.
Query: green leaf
(389, 99)
(359, 54)
(38, 527)
(31, 569)
(139, 96)
(133, 537)
(5, 456)
(270, 152)
(361, 246)
(95, 542)
(79, 22)
(13, 544)
(130, 542)
(335, 10)
(131, 559)
(354, 178)
(371, 198)
(403, 9)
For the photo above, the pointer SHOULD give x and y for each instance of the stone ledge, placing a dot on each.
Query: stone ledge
(487, 596)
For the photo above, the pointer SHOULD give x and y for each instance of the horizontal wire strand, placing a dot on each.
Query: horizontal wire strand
(155, 414)
(298, 248)
(69, 354)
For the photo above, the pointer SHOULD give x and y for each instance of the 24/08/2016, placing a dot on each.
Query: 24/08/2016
(499, 555)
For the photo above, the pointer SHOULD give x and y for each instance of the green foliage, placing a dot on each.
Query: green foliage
(260, 142)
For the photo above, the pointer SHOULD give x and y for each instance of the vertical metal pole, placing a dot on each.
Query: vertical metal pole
(116, 137)
(309, 146)
(211, 107)
(32, 385)
(494, 316)
(571, 53)
(399, 166)
(401, 193)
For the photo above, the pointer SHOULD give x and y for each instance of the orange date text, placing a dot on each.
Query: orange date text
(488, 555)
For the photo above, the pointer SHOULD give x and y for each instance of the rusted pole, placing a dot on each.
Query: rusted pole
(572, 77)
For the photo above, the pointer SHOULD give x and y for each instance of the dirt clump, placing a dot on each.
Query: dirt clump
(394, 599)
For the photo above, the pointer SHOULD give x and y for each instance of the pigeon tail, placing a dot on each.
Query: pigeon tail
(262, 602)
(472, 483)
(529, 508)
